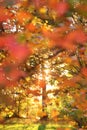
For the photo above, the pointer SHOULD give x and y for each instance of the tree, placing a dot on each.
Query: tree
(43, 43)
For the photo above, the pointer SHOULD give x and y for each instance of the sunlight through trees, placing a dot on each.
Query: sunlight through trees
(43, 61)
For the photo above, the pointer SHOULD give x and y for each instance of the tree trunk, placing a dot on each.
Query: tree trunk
(44, 95)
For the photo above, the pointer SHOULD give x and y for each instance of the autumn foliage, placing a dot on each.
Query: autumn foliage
(44, 43)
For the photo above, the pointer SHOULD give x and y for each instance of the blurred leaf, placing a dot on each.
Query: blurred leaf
(4, 14)
(84, 71)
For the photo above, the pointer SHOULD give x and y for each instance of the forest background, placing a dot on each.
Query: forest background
(43, 61)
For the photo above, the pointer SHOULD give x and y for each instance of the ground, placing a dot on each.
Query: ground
(23, 124)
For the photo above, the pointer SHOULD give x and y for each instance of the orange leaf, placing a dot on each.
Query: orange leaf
(23, 16)
(54, 35)
(36, 100)
(54, 113)
(4, 14)
(84, 71)
(68, 60)
(60, 128)
(31, 27)
(41, 83)
(67, 44)
(41, 113)
(52, 3)
(67, 128)
(77, 36)
(82, 8)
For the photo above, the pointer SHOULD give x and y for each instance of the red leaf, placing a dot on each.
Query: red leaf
(84, 71)
(11, 71)
(19, 52)
(15, 74)
(39, 3)
(2, 43)
(4, 14)
(56, 34)
(62, 8)
(77, 36)
(2, 78)
(67, 45)
(6, 41)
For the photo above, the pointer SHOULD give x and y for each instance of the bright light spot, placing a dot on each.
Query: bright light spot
(49, 87)
(40, 76)
(61, 65)
(50, 95)
(39, 98)
(65, 72)
(46, 64)
(47, 71)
